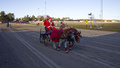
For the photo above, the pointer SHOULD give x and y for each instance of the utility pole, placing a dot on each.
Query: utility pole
(90, 16)
(38, 15)
(45, 8)
(101, 14)
(38, 11)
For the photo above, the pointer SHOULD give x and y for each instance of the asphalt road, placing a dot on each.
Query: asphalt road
(20, 48)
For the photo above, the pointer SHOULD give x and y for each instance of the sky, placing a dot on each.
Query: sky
(75, 9)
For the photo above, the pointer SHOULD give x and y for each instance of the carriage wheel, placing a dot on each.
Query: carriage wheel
(45, 41)
(41, 39)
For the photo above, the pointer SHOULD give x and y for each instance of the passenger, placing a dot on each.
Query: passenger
(62, 25)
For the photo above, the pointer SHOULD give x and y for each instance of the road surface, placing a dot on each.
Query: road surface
(20, 48)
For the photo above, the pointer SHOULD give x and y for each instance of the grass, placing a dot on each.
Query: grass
(111, 27)
(106, 26)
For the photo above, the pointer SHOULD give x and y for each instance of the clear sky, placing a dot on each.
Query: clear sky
(75, 9)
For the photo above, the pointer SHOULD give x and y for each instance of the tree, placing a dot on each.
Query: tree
(63, 19)
(19, 19)
(41, 18)
(27, 18)
(58, 19)
(10, 16)
(2, 16)
(33, 17)
(6, 17)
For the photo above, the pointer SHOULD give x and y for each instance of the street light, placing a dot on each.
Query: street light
(90, 16)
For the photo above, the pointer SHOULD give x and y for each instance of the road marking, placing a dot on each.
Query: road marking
(98, 61)
(100, 48)
(42, 57)
(103, 62)
(95, 59)
(104, 43)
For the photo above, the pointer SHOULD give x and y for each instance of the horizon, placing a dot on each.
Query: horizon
(75, 9)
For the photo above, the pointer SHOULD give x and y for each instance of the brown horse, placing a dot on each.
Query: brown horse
(61, 36)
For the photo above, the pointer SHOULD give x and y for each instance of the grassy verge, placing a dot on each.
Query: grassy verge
(106, 26)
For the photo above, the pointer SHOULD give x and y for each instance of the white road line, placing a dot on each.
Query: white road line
(103, 63)
(106, 40)
(36, 64)
(100, 48)
(42, 57)
(88, 45)
(104, 43)
(100, 42)
(117, 38)
(33, 33)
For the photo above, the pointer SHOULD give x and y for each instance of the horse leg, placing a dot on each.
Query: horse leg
(66, 47)
(71, 45)
(54, 46)
(59, 45)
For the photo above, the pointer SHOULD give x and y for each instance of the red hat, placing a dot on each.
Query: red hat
(50, 18)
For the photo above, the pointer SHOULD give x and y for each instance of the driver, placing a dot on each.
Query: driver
(46, 22)
(49, 25)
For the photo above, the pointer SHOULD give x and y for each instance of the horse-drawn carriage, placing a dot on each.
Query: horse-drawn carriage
(61, 36)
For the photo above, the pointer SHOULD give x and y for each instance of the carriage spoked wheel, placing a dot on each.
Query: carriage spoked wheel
(45, 40)
(41, 39)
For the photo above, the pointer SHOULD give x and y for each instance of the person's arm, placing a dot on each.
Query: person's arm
(48, 24)
(45, 22)
(53, 24)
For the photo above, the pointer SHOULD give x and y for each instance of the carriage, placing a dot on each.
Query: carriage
(44, 38)
(61, 36)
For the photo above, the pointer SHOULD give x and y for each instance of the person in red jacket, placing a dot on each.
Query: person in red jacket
(50, 25)
(62, 25)
(45, 22)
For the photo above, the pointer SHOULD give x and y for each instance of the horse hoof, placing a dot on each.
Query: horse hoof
(66, 51)
(55, 48)
(58, 49)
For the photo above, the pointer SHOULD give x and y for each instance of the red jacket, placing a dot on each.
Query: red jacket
(48, 25)
(45, 22)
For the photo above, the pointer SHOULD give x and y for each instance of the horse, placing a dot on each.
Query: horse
(77, 36)
(61, 36)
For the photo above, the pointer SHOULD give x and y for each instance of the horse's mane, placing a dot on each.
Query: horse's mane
(75, 30)
(65, 30)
